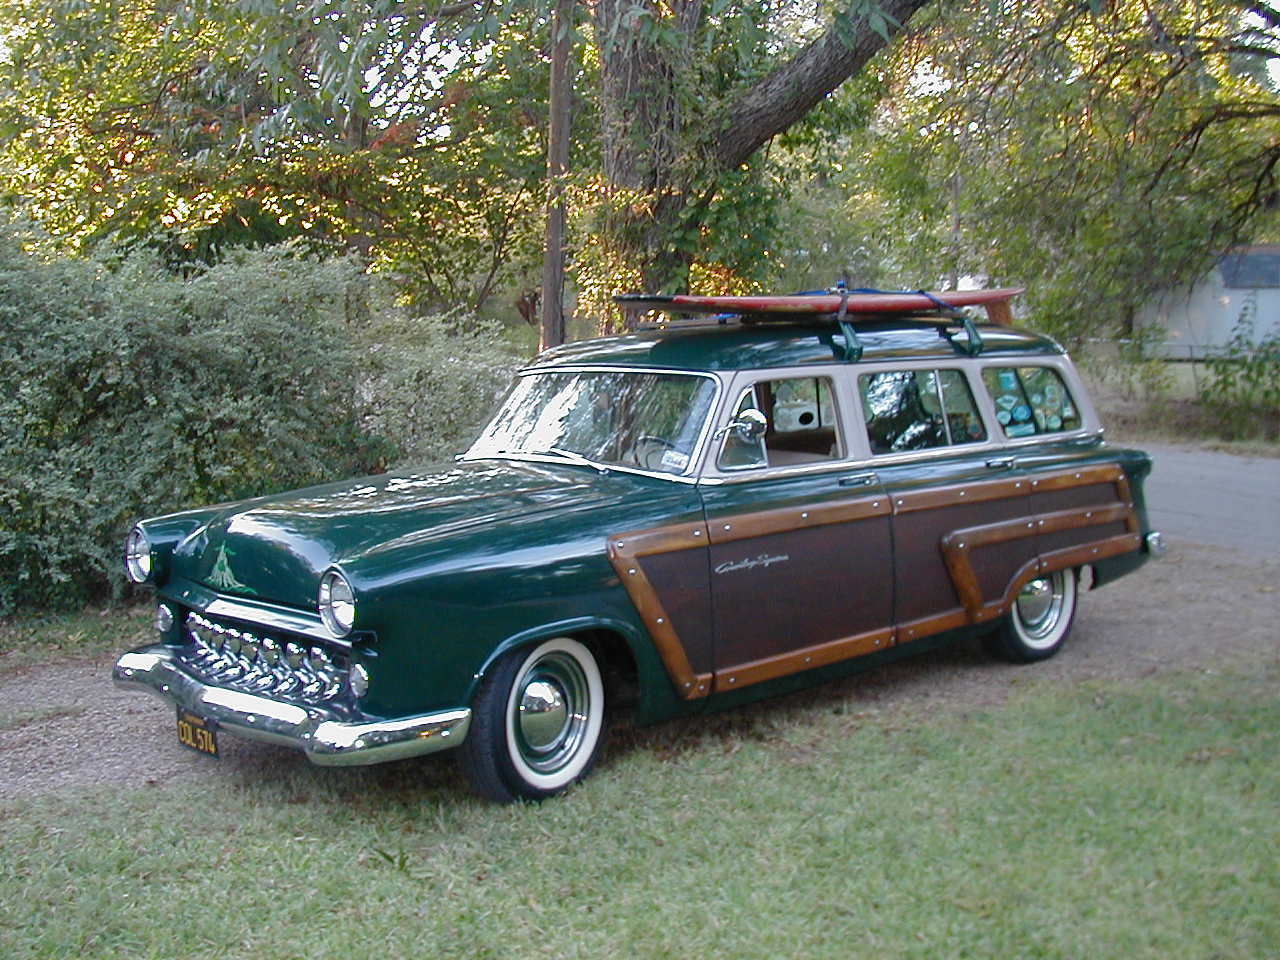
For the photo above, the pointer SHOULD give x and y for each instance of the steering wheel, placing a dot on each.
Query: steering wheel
(657, 447)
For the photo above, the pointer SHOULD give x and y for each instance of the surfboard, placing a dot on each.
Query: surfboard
(822, 303)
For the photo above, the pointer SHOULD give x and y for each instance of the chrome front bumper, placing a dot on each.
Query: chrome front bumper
(325, 740)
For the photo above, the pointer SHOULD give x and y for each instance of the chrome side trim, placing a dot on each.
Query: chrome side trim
(273, 618)
(604, 468)
(325, 740)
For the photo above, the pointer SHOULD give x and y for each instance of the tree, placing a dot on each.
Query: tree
(1096, 156)
(248, 100)
(686, 101)
(199, 126)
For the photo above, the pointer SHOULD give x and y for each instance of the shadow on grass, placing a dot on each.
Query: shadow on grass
(261, 773)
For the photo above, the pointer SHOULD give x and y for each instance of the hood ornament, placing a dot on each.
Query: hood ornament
(221, 575)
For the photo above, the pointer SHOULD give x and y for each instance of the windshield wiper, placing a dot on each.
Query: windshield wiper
(572, 457)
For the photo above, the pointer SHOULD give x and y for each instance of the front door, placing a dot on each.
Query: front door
(800, 543)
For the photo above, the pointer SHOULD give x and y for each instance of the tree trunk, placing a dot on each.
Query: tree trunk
(654, 155)
(553, 326)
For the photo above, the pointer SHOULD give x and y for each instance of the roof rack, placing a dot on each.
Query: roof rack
(845, 308)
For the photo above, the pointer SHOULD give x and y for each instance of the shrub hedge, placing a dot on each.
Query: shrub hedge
(132, 391)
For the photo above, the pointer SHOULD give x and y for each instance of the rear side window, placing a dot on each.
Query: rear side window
(1031, 400)
(918, 409)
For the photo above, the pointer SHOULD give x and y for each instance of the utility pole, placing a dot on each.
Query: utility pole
(553, 326)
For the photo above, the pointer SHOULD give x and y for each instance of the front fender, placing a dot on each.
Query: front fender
(657, 694)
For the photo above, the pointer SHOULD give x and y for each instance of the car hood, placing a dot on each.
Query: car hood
(276, 548)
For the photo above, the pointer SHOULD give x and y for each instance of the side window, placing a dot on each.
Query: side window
(802, 425)
(1031, 400)
(918, 410)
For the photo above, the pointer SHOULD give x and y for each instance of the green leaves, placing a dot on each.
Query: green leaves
(868, 14)
(1243, 389)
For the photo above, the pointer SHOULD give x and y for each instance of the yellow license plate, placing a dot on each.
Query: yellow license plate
(197, 733)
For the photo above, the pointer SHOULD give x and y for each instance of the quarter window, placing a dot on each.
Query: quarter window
(918, 410)
(1031, 400)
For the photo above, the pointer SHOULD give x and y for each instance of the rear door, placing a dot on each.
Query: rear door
(962, 525)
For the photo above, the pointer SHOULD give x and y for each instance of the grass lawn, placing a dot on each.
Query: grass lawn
(1126, 820)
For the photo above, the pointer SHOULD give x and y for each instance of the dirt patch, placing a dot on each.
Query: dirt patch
(1199, 607)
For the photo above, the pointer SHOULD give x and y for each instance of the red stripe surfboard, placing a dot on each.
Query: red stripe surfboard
(820, 303)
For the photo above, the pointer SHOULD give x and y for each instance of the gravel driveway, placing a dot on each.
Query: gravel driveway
(65, 726)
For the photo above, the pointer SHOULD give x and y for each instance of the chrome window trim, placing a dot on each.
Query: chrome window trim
(688, 475)
(776, 473)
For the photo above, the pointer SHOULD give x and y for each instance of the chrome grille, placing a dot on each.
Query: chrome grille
(240, 659)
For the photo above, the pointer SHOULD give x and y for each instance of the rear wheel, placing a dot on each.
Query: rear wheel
(1038, 622)
(537, 722)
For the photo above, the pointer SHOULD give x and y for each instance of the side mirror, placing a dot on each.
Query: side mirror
(749, 425)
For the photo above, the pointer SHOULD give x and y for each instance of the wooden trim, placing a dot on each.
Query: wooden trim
(1126, 496)
(959, 544)
(977, 491)
(928, 626)
(982, 491)
(1060, 560)
(806, 658)
(1102, 473)
(789, 519)
(625, 552)
(627, 549)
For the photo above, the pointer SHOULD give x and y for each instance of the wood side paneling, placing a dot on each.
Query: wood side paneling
(1096, 523)
(796, 588)
(977, 491)
(1061, 560)
(626, 553)
(957, 547)
(806, 658)
(764, 523)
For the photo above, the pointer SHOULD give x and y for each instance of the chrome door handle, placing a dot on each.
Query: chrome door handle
(1001, 463)
(859, 480)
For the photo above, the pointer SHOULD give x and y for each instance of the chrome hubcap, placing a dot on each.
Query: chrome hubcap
(1040, 606)
(552, 712)
(543, 714)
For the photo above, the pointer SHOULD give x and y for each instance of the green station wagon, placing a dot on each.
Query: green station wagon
(708, 511)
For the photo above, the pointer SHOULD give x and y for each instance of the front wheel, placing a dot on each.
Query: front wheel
(536, 723)
(1038, 622)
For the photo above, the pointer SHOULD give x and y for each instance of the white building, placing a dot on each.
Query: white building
(1199, 322)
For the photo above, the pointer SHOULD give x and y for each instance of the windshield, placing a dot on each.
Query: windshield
(649, 421)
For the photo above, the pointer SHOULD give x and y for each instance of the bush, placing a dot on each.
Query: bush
(1243, 391)
(134, 391)
(429, 383)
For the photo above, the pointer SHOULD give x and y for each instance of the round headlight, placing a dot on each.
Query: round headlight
(337, 603)
(137, 556)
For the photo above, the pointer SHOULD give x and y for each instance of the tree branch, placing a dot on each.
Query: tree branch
(1267, 13)
(793, 89)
